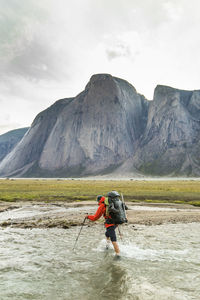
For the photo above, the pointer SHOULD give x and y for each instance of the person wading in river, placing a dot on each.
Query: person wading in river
(110, 224)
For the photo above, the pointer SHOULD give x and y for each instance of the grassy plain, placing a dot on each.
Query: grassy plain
(80, 190)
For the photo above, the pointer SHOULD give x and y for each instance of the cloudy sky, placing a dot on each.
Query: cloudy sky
(49, 49)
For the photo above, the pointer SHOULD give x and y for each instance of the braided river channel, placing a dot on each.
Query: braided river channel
(157, 262)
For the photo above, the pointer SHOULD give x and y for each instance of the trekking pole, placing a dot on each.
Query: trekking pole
(124, 205)
(120, 233)
(79, 233)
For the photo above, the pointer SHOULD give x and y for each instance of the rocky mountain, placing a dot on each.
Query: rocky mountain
(111, 129)
(93, 133)
(170, 144)
(9, 140)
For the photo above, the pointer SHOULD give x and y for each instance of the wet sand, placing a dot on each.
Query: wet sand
(65, 215)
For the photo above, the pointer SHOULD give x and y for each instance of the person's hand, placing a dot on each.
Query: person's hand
(86, 216)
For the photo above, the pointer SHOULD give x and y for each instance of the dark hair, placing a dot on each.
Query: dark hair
(99, 198)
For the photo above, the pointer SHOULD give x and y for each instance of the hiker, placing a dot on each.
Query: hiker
(107, 209)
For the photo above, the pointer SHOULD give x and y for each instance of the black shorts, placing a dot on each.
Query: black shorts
(110, 232)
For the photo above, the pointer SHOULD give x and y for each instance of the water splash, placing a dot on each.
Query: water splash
(40, 264)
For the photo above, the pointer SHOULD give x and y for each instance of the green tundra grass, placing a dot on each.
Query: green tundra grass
(81, 190)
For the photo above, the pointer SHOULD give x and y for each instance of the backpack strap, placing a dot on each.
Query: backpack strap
(107, 206)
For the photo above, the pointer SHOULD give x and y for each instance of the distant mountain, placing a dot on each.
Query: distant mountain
(92, 133)
(170, 144)
(9, 140)
(111, 129)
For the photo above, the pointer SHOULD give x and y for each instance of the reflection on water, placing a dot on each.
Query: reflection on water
(158, 262)
(108, 280)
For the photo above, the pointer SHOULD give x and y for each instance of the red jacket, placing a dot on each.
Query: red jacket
(100, 211)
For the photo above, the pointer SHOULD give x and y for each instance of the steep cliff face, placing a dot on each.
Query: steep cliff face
(9, 140)
(27, 152)
(89, 134)
(170, 144)
(108, 128)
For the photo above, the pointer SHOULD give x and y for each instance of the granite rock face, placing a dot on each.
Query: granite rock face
(92, 133)
(111, 129)
(170, 144)
(9, 140)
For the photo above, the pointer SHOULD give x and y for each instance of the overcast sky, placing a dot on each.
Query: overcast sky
(49, 49)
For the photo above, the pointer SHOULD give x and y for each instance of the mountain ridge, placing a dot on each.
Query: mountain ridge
(9, 140)
(110, 128)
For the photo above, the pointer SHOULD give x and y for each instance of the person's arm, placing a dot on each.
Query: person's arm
(97, 215)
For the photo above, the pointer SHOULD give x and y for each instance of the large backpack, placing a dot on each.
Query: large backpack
(115, 208)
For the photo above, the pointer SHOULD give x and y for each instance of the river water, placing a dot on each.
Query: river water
(157, 262)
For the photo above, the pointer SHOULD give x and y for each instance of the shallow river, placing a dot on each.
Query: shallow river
(158, 262)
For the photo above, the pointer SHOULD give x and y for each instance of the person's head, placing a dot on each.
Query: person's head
(99, 198)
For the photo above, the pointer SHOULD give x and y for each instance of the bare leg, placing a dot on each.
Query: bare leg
(107, 242)
(116, 247)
